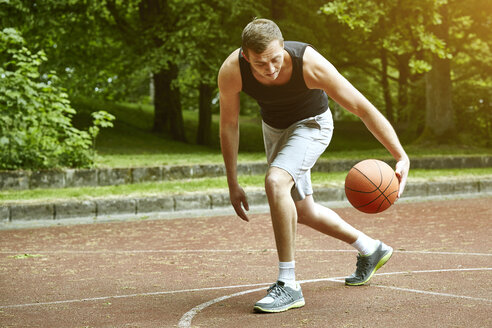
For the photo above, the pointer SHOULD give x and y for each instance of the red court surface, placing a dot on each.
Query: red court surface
(206, 272)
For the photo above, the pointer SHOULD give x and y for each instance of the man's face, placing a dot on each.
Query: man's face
(268, 63)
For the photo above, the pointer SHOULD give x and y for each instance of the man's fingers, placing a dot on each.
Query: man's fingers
(401, 173)
(239, 210)
(402, 185)
(245, 204)
(240, 202)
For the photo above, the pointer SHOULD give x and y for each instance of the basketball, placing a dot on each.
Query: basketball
(371, 186)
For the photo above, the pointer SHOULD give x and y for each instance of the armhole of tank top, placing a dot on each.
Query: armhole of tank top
(301, 63)
(296, 62)
(241, 68)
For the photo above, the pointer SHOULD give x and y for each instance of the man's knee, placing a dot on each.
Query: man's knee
(278, 179)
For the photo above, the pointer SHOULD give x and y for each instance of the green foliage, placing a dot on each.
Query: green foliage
(108, 49)
(398, 26)
(101, 119)
(414, 33)
(474, 98)
(35, 115)
(355, 13)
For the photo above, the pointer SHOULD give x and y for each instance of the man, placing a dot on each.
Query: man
(291, 81)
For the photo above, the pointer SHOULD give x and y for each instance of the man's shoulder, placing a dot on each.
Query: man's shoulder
(311, 56)
(231, 63)
(229, 73)
(316, 69)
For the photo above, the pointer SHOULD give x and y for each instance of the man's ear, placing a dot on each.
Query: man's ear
(244, 55)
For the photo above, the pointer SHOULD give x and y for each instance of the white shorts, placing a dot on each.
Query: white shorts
(297, 148)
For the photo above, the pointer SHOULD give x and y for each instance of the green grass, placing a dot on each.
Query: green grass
(130, 143)
(209, 185)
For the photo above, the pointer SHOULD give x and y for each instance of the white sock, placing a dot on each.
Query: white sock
(365, 245)
(287, 273)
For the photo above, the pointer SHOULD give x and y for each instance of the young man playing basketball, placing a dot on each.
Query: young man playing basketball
(291, 81)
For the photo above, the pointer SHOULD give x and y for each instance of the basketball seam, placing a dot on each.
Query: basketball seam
(365, 176)
(389, 184)
(368, 192)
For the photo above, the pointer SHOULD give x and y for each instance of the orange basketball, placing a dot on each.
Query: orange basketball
(371, 186)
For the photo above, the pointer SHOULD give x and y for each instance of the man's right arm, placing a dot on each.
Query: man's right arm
(229, 82)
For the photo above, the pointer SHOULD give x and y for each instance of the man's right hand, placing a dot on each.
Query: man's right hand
(239, 201)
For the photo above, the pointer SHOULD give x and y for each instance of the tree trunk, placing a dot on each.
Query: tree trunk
(167, 99)
(204, 134)
(167, 104)
(403, 77)
(390, 115)
(439, 120)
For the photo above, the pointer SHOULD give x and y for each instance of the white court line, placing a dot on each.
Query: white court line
(103, 298)
(137, 251)
(442, 253)
(184, 251)
(186, 319)
(433, 293)
(337, 279)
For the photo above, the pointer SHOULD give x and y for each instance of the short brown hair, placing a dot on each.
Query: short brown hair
(259, 33)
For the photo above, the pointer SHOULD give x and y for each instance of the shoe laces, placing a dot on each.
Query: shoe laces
(278, 291)
(362, 264)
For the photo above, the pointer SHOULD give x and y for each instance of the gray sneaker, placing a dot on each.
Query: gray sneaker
(280, 298)
(369, 264)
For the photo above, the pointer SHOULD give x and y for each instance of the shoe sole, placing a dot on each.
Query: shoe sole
(381, 262)
(294, 305)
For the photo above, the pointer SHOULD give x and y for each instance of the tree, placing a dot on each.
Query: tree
(101, 45)
(390, 48)
(471, 66)
(35, 114)
(80, 46)
(212, 29)
(149, 29)
(369, 22)
(439, 119)
(421, 38)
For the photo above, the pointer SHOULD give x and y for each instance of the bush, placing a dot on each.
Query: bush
(35, 115)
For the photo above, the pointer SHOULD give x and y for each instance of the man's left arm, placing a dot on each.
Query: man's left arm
(319, 73)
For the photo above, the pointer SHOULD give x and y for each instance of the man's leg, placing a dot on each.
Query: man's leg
(373, 254)
(285, 294)
(290, 154)
(325, 220)
(278, 184)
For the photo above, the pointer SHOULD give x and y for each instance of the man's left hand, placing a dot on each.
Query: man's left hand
(402, 168)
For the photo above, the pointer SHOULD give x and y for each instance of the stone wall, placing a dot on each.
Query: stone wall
(139, 206)
(20, 180)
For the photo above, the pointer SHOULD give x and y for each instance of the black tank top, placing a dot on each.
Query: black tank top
(283, 105)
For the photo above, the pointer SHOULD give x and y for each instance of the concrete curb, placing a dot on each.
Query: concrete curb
(172, 206)
(21, 180)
